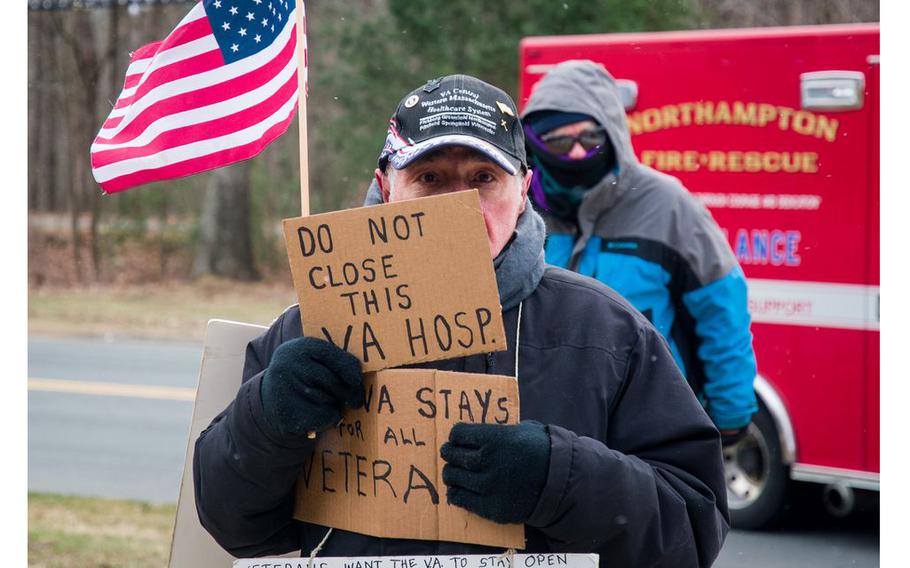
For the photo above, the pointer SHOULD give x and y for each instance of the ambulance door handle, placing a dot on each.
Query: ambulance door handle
(832, 90)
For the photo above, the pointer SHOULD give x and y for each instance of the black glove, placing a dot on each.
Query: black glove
(733, 436)
(497, 470)
(307, 384)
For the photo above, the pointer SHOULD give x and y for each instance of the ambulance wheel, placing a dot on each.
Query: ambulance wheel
(757, 479)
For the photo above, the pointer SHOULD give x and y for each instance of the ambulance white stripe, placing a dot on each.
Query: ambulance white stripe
(211, 112)
(814, 304)
(539, 68)
(171, 56)
(196, 149)
(202, 80)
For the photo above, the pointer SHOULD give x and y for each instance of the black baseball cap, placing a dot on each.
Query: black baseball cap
(456, 110)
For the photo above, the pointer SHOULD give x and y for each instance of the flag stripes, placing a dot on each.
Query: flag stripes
(184, 110)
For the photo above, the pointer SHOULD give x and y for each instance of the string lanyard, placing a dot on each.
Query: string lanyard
(517, 337)
(318, 548)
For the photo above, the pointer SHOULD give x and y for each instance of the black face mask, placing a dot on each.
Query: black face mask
(585, 172)
(563, 203)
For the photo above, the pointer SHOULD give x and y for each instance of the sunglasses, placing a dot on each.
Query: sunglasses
(589, 140)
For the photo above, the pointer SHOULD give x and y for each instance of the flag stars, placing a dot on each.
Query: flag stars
(242, 32)
(250, 17)
(225, 26)
(233, 10)
(217, 3)
(265, 22)
(257, 38)
(235, 47)
(258, 2)
(279, 17)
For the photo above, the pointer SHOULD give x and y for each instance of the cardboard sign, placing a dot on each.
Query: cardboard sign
(379, 472)
(398, 283)
(464, 561)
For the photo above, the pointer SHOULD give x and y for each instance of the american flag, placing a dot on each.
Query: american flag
(217, 90)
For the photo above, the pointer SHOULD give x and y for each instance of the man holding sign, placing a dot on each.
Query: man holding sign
(613, 454)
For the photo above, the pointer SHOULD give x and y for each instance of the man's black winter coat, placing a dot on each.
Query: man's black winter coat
(635, 468)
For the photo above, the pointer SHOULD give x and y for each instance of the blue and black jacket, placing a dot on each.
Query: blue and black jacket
(643, 234)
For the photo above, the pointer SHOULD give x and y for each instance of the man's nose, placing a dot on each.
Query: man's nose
(460, 185)
(577, 152)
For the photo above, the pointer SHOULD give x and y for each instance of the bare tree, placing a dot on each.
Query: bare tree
(225, 241)
(78, 62)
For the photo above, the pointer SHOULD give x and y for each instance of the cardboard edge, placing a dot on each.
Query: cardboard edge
(215, 328)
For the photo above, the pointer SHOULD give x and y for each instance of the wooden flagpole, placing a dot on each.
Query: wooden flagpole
(301, 110)
(301, 123)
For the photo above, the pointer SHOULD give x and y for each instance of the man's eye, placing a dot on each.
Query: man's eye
(428, 177)
(484, 177)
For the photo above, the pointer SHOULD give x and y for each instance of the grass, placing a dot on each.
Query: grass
(71, 532)
(173, 310)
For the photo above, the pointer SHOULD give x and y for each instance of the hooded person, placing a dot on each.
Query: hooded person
(642, 233)
(614, 455)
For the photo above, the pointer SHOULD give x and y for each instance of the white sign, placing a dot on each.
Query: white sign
(465, 561)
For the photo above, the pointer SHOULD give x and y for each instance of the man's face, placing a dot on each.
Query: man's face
(502, 196)
(572, 130)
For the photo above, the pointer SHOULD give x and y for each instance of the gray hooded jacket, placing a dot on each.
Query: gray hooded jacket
(643, 234)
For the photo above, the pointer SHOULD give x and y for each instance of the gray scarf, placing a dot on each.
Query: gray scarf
(520, 265)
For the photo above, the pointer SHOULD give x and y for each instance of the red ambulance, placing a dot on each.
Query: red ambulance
(776, 131)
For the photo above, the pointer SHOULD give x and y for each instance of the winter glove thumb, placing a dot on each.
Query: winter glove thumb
(497, 471)
(307, 384)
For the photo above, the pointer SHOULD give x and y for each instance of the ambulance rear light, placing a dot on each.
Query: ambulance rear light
(832, 90)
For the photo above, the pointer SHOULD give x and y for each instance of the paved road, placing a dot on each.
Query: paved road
(133, 446)
(810, 539)
(109, 446)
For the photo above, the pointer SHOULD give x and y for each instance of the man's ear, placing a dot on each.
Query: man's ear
(383, 182)
(524, 190)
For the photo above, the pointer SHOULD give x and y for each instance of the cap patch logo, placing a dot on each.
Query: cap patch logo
(432, 85)
(504, 109)
(412, 100)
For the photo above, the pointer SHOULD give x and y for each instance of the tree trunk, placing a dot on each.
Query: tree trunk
(70, 115)
(225, 241)
(34, 89)
(82, 42)
(164, 246)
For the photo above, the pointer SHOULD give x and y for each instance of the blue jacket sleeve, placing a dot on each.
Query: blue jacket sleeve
(721, 313)
(244, 473)
(653, 494)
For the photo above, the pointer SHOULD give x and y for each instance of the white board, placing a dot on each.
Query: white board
(219, 378)
(551, 560)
